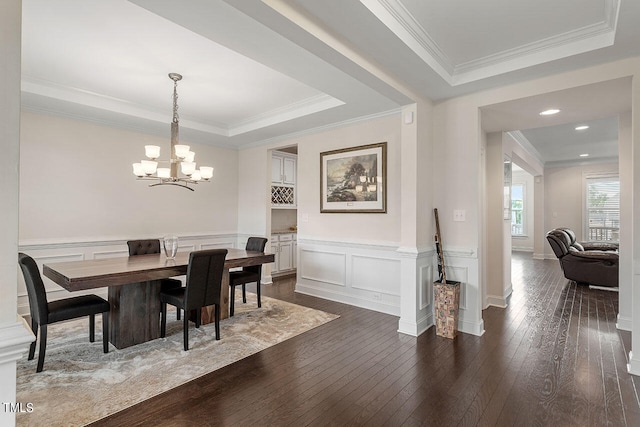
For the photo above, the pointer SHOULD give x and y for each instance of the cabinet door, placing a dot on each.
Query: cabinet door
(277, 171)
(276, 253)
(295, 254)
(285, 261)
(289, 170)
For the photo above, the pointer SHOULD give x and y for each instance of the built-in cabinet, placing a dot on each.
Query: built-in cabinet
(283, 180)
(284, 247)
(283, 168)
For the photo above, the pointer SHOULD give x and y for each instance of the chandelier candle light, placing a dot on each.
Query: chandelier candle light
(180, 154)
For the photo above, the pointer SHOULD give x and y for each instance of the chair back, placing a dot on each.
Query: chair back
(143, 247)
(255, 244)
(35, 289)
(204, 278)
(559, 241)
(572, 238)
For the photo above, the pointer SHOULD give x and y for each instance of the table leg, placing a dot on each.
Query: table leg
(135, 313)
(208, 315)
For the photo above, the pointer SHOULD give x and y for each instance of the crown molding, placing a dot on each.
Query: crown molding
(298, 109)
(403, 24)
(44, 89)
(570, 43)
(580, 162)
(400, 21)
(526, 145)
(323, 128)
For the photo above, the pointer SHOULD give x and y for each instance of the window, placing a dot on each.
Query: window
(602, 218)
(517, 210)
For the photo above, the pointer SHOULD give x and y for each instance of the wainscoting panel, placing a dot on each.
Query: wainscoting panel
(110, 254)
(374, 274)
(322, 266)
(358, 274)
(459, 274)
(426, 286)
(75, 250)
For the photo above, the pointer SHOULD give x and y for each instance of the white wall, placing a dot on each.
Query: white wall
(363, 228)
(76, 184)
(349, 257)
(564, 197)
(337, 253)
(80, 200)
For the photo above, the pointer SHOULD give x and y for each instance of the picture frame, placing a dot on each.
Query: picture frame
(354, 180)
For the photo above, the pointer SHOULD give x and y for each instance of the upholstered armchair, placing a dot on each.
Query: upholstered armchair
(594, 267)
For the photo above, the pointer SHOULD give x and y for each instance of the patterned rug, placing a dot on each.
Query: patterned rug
(80, 384)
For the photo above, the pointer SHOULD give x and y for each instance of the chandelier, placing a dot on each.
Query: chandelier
(180, 155)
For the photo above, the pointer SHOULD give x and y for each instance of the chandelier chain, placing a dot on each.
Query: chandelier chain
(176, 118)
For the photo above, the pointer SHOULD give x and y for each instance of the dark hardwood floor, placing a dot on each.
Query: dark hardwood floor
(552, 358)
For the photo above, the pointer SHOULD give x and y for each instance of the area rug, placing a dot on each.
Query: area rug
(80, 384)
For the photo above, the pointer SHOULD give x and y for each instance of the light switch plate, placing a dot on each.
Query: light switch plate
(459, 215)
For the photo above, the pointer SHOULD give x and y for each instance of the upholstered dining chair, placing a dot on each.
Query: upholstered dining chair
(204, 288)
(44, 313)
(152, 246)
(247, 274)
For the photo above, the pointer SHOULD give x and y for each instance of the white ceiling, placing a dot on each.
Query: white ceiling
(255, 70)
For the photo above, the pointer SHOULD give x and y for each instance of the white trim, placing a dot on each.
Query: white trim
(374, 245)
(318, 129)
(417, 328)
(526, 145)
(49, 89)
(633, 367)
(501, 301)
(288, 112)
(624, 323)
(400, 21)
(25, 245)
(15, 338)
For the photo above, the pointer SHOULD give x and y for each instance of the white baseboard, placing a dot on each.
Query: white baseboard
(348, 299)
(624, 323)
(417, 328)
(633, 367)
(471, 327)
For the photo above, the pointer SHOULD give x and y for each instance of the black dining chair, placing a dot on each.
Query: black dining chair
(204, 288)
(152, 246)
(44, 313)
(247, 274)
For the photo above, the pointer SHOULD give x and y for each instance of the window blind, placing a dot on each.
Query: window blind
(603, 208)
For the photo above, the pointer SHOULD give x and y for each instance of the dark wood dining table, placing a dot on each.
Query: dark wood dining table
(134, 287)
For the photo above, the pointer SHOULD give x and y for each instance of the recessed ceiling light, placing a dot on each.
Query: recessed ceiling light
(549, 112)
(584, 155)
(583, 127)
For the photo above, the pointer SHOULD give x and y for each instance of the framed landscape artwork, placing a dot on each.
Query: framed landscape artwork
(354, 179)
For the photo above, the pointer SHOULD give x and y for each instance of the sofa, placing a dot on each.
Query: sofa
(585, 262)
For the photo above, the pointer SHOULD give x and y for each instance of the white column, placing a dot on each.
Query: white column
(625, 167)
(14, 338)
(634, 354)
(416, 251)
